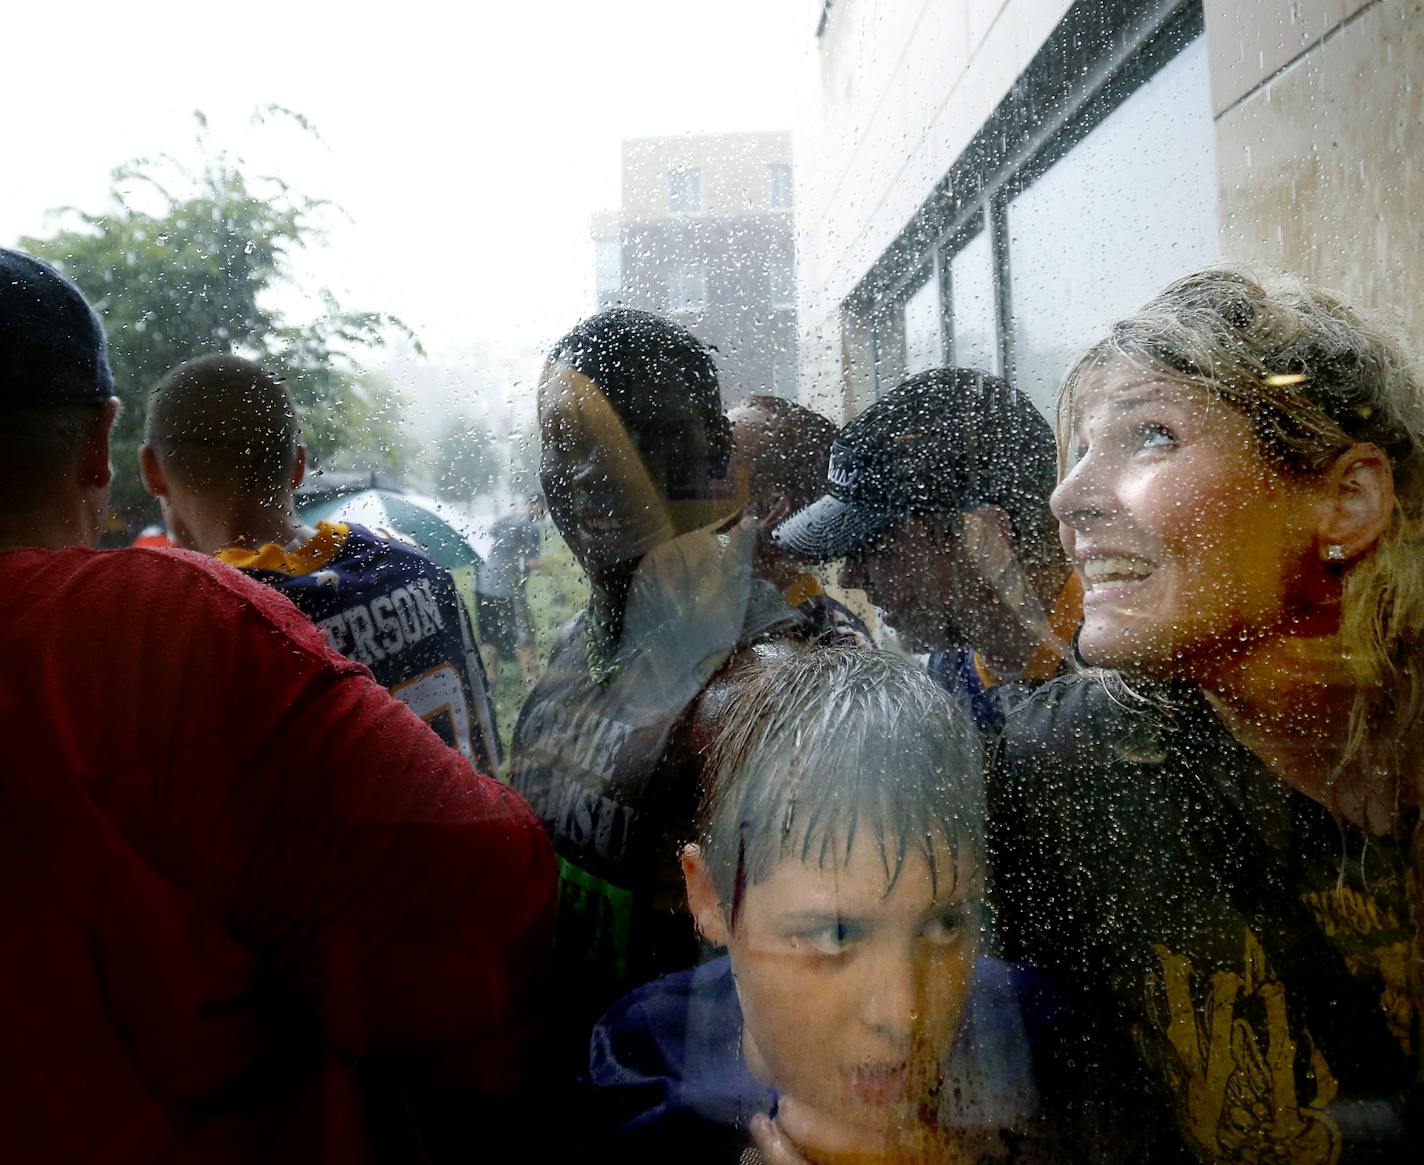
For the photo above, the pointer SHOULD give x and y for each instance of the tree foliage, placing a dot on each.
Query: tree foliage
(465, 461)
(180, 265)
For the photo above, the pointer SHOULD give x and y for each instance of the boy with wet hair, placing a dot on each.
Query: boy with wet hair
(839, 861)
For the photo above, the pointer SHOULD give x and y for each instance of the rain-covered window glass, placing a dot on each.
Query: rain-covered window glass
(887, 347)
(924, 344)
(708, 584)
(684, 191)
(687, 287)
(781, 282)
(975, 309)
(608, 270)
(779, 183)
(783, 373)
(1142, 184)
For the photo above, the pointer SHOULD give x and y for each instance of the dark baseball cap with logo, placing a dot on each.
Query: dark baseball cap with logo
(52, 346)
(944, 440)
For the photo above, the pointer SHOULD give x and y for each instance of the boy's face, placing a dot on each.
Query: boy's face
(852, 990)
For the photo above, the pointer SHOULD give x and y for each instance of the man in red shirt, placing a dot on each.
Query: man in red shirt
(254, 909)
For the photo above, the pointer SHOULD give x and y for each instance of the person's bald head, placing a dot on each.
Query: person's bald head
(222, 425)
(783, 448)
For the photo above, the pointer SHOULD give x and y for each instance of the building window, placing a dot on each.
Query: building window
(608, 270)
(1064, 232)
(779, 179)
(924, 346)
(783, 372)
(1116, 218)
(687, 288)
(684, 191)
(975, 312)
(781, 279)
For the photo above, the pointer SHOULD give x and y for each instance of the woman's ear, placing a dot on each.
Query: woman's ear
(702, 901)
(1358, 503)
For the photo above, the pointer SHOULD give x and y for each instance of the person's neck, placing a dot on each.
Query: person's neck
(608, 589)
(1289, 700)
(253, 528)
(67, 523)
(777, 568)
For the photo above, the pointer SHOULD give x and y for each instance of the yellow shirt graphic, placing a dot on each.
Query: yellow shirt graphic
(1245, 1086)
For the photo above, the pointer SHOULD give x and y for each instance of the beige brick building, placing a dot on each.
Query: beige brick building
(705, 235)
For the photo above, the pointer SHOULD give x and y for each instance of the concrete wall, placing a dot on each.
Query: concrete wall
(1320, 142)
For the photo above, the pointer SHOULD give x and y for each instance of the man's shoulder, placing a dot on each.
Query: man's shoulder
(683, 1029)
(391, 544)
(362, 559)
(184, 576)
(213, 584)
(768, 614)
(194, 593)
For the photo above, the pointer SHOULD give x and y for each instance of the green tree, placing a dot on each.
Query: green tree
(380, 444)
(465, 462)
(188, 274)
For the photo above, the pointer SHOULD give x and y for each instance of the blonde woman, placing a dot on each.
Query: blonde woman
(1209, 834)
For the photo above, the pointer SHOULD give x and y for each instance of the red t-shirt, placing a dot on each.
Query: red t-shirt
(233, 870)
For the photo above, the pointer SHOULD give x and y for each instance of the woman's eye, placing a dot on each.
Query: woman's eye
(1155, 437)
(946, 928)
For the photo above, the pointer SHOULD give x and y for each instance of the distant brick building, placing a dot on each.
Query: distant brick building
(705, 236)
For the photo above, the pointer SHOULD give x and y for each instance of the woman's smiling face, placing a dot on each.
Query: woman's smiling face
(1192, 545)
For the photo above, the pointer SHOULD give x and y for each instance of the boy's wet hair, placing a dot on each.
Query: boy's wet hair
(826, 748)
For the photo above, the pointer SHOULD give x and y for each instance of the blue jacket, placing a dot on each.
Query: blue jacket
(666, 1070)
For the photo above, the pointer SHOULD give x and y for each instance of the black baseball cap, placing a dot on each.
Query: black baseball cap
(52, 346)
(944, 440)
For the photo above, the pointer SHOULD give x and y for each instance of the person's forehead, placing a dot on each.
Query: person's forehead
(752, 431)
(562, 387)
(1117, 388)
(864, 882)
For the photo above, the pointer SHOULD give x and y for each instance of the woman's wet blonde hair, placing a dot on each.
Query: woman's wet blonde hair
(1315, 377)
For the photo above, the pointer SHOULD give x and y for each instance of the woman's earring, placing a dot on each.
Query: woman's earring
(1334, 553)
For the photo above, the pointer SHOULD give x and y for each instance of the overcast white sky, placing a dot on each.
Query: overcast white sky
(468, 147)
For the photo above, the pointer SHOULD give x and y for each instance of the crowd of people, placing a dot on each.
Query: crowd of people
(1116, 857)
